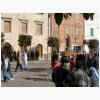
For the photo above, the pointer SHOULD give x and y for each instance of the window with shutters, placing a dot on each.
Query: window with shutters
(76, 48)
(39, 28)
(78, 30)
(92, 32)
(77, 33)
(23, 27)
(7, 26)
(77, 18)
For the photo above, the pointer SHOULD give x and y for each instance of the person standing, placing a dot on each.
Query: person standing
(59, 57)
(25, 60)
(73, 63)
(80, 75)
(62, 76)
(53, 57)
(2, 63)
(56, 63)
(94, 75)
(9, 70)
(19, 61)
(7, 61)
(5, 65)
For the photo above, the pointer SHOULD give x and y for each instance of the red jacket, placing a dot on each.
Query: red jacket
(74, 62)
(57, 64)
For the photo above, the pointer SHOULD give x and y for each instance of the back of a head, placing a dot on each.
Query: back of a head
(78, 64)
(94, 64)
(65, 59)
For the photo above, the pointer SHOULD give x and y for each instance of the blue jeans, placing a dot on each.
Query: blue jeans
(9, 70)
(5, 74)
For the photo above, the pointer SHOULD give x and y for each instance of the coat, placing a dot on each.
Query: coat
(94, 76)
(81, 78)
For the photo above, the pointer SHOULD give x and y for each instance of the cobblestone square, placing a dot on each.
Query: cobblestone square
(35, 76)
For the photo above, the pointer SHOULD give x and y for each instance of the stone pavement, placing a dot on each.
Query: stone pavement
(35, 76)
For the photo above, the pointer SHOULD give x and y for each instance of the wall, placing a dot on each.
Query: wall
(31, 18)
(68, 27)
(95, 24)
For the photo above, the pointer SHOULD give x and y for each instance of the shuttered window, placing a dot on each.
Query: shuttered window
(24, 27)
(39, 29)
(7, 26)
(92, 31)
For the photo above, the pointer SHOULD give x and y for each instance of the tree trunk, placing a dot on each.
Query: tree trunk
(59, 36)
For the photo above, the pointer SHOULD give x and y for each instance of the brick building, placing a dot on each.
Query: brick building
(71, 30)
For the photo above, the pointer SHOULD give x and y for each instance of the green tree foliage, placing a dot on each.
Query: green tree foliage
(2, 37)
(87, 16)
(93, 44)
(59, 17)
(24, 40)
(53, 42)
(67, 15)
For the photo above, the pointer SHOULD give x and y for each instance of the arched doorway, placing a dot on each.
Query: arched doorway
(39, 48)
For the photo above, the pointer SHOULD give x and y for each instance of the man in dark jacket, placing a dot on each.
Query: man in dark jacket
(58, 76)
(62, 76)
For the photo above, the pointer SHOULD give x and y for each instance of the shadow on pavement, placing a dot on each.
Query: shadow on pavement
(36, 69)
(37, 79)
(43, 75)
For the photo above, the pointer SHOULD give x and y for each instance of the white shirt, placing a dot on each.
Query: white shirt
(6, 62)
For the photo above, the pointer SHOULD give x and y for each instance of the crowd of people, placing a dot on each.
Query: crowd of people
(81, 70)
(21, 58)
(6, 58)
(78, 70)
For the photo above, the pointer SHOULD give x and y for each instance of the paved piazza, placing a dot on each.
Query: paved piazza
(35, 76)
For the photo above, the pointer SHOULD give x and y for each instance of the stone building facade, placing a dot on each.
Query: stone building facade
(34, 24)
(92, 28)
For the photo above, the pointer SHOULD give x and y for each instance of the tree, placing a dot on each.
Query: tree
(24, 40)
(59, 18)
(2, 37)
(53, 42)
(87, 16)
(93, 44)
